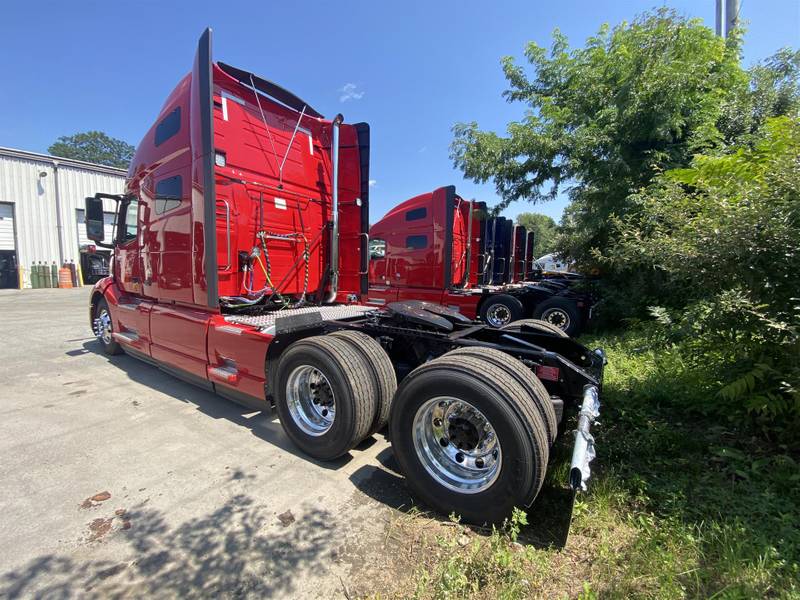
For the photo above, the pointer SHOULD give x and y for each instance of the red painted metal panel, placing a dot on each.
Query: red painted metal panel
(179, 337)
(241, 351)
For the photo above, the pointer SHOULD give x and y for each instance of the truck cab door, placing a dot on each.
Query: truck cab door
(380, 290)
(128, 258)
(133, 310)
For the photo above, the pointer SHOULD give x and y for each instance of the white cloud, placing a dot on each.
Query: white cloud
(423, 150)
(350, 91)
(373, 182)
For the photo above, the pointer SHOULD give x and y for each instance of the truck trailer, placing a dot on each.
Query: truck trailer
(440, 248)
(240, 263)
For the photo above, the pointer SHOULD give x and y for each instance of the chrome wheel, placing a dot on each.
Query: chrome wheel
(310, 399)
(102, 327)
(498, 315)
(558, 317)
(457, 445)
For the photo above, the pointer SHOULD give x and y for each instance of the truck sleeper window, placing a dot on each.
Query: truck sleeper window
(416, 242)
(169, 126)
(417, 214)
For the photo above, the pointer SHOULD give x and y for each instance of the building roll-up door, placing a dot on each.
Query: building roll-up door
(7, 226)
(8, 252)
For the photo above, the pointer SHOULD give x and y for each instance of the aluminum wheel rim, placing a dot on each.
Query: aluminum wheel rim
(103, 328)
(558, 317)
(440, 426)
(498, 315)
(310, 399)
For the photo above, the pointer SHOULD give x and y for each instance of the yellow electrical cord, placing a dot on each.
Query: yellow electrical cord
(263, 268)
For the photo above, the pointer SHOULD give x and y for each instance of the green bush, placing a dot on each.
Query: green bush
(718, 245)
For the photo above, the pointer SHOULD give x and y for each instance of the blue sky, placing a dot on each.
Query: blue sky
(410, 69)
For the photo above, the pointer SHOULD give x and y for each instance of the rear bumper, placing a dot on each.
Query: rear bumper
(584, 450)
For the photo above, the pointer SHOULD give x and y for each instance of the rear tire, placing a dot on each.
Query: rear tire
(381, 369)
(537, 324)
(324, 396)
(500, 310)
(104, 328)
(445, 410)
(525, 377)
(560, 312)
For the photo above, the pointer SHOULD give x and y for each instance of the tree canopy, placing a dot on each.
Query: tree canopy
(544, 231)
(603, 120)
(95, 147)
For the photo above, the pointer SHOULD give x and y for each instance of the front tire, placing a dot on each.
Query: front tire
(467, 438)
(104, 328)
(500, 310)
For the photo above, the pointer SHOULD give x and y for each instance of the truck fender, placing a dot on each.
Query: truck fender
(98, 291)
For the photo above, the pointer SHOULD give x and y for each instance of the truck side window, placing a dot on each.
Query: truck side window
(416, 214)
(168, 194)
(416, 242)
(377, 249)
(169, 126)
(131, 221)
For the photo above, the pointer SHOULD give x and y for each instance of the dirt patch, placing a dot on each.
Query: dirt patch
(99, 528)
(95, 500)
(286, 518)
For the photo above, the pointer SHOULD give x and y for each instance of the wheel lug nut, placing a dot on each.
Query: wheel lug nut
(437, 422)
(479, 463)
(444, 441)
(324, 412)
(459, 457)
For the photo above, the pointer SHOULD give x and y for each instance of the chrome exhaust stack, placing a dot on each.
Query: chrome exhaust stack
(584, 451)
(334, 254)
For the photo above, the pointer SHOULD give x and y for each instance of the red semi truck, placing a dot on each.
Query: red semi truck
(440, 248)
(240, 265)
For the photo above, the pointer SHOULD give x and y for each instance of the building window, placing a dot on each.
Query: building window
(416, 242)
(416, 214)
(377, 249)
(168, 194)
(169, 126)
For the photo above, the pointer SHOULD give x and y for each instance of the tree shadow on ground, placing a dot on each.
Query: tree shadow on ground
(549, 516)
(236, 550)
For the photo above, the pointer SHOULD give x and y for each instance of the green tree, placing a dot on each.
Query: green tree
(95, 147)
(544, 231)
(640, 98)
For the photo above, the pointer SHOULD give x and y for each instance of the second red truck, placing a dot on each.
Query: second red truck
(441, 248)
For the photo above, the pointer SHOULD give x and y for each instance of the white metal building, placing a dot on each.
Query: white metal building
(42, 209)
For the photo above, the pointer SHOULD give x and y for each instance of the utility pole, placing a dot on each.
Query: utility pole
(732, 16)
(727, 17)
